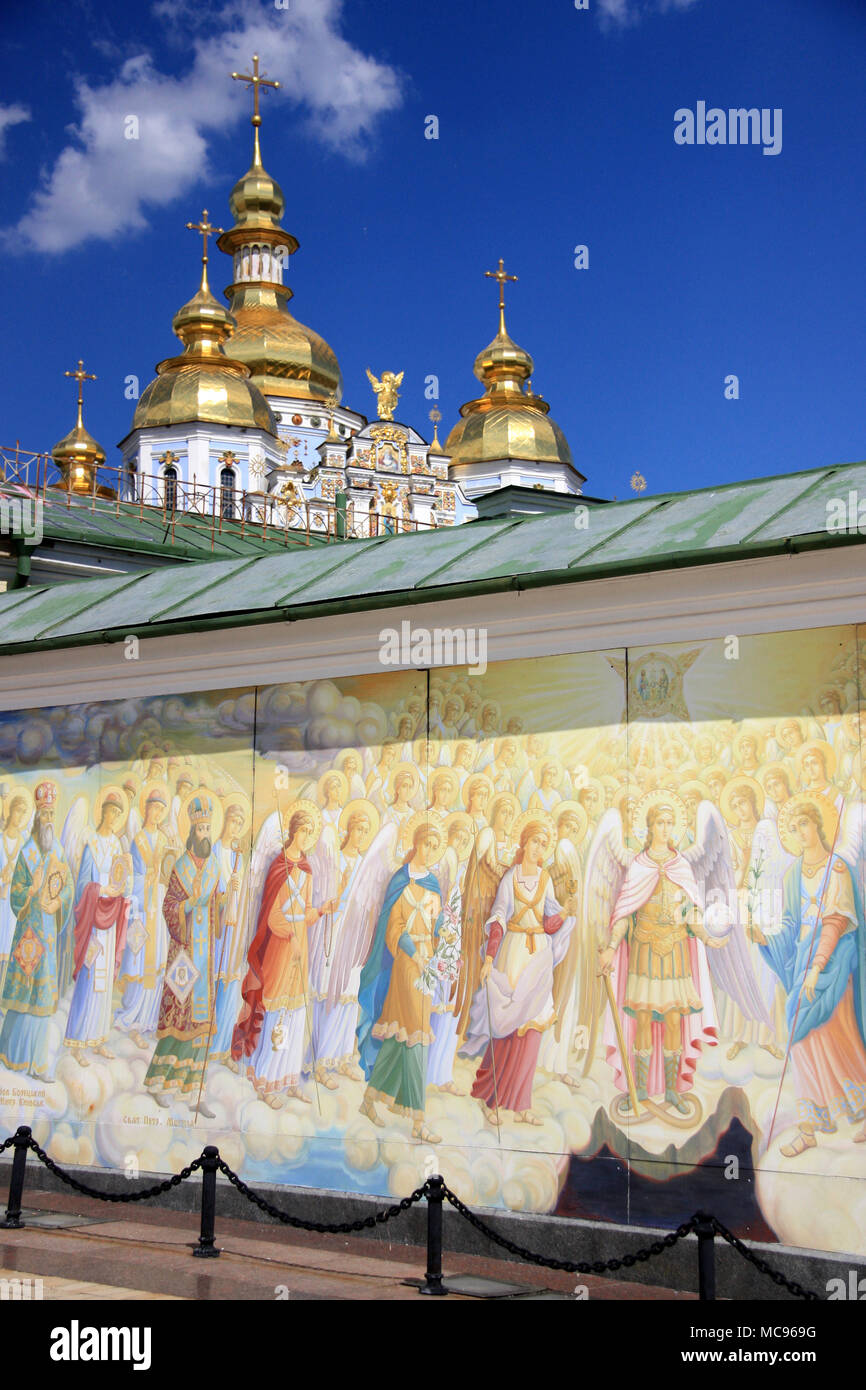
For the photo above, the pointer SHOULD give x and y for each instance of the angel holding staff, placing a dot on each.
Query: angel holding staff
(650, 909)
(270, 1031)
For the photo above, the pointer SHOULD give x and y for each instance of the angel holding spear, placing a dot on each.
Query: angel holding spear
(658, 912)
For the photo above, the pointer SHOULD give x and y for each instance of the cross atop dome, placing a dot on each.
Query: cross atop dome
(255, 79)
(502, 277)
(206, 229)
(80, 375)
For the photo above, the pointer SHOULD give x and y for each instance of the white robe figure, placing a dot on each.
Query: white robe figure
(334, 1020)
(142, 965)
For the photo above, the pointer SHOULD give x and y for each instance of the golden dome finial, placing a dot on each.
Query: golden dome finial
(435, 416)
(255, 80)
(205, 228)
(78, 455)
(501, 276)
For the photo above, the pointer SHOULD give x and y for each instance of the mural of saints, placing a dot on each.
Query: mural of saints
(395, 1031)
(649, 909)
(819, 955)
(191, 906)
(526, 935)
(40, 895)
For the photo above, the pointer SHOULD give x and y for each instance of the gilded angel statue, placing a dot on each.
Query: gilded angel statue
(386, 392)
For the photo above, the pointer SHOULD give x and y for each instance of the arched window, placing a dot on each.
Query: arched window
(227, 492)
(170, 488)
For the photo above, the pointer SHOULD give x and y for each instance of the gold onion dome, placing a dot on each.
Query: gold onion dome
(202, 383)
(509, 420)
(285, 357)
(78, 455)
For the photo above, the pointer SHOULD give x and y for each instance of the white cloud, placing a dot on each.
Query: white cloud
(9, 116)
(628, 12)
(101, 184)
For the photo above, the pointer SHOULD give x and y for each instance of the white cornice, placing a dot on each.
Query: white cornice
(781, 593)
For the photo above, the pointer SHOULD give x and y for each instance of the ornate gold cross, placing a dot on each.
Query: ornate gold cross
(501, 276)
(255, 80)
(206, 229)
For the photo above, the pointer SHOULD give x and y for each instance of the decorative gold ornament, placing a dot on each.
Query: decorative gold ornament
(435, 416)
(638, 482)
(386, 392)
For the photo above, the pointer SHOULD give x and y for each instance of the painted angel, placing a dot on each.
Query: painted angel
(668, 930)
(337, 861)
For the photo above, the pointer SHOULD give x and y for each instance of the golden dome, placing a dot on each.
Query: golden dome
(202, 383)
(78, 455)
(285, 357)
(510, 421)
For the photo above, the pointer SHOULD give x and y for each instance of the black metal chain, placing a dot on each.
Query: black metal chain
(657, 1247)
(777, 1277)
(140, 1196)
(321, 1227)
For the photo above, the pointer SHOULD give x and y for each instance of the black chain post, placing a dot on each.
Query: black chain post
(16, 1182)
(705, 1228)
(210, 1162)
(433, 1277)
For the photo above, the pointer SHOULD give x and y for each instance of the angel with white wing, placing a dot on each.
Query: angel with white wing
(760, 862)
(659, 912)
(337, 863)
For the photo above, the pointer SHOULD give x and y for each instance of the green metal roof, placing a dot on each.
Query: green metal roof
(742, 520)
(143, 530)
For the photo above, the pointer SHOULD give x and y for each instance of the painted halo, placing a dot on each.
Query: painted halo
(242, 801)
(825, 752)
(536, 817)
(155, 784)
(789, 809)
(114, 790)
(287, 805)
(572, 808)
(508, 798)
(395, 772)
(729, 791)
(543, 762)
(477, 779)
(659, 798)
(351, 809)
(412, 823)
(345, 753)
(17, 790)
(216, 819)
(322, 783)
(450, 776)
(464, 822)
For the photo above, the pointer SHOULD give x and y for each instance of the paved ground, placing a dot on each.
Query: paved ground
(85, 1249)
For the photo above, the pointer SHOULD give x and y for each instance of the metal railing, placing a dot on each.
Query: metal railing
(189, 510)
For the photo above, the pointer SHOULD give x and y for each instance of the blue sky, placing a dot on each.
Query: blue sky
(556, 128)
